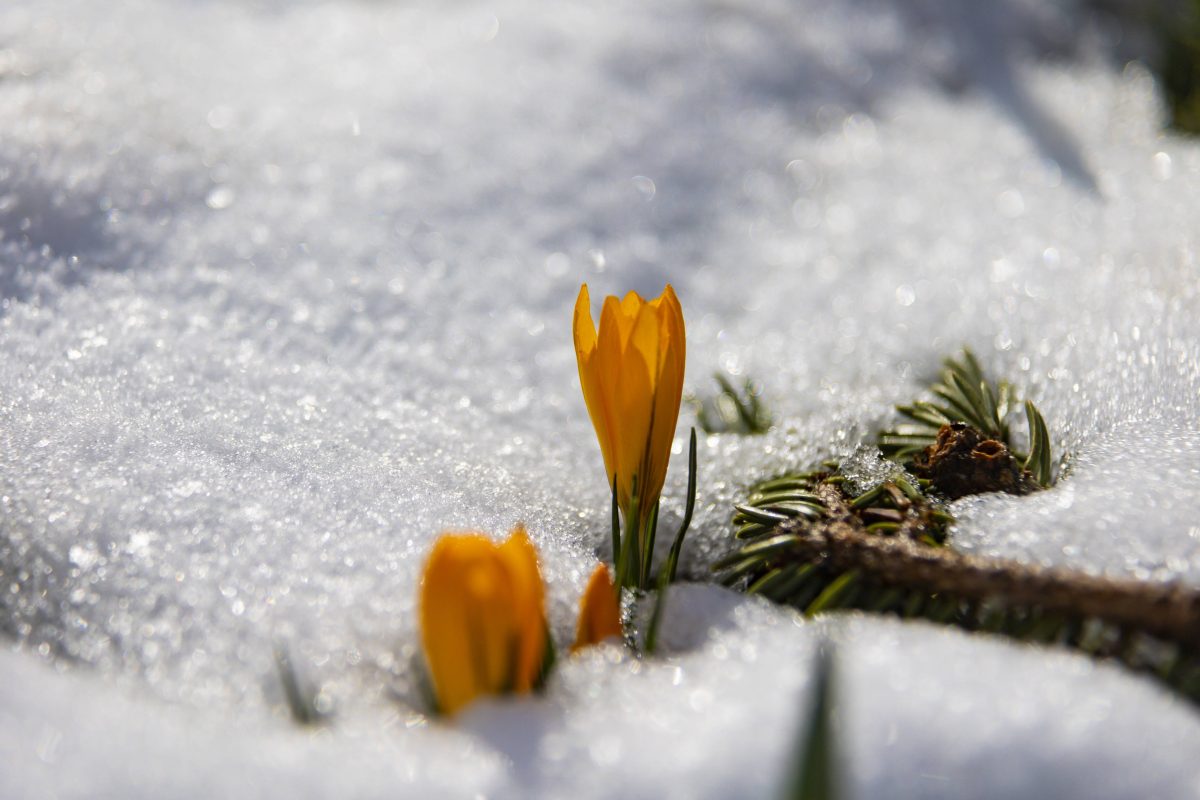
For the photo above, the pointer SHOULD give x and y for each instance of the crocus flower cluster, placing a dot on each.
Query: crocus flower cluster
(482, 604)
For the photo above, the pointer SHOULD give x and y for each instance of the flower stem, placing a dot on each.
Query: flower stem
(649, 534)
(616, 530)
(629, 566)
(660, 601)
(677, 546)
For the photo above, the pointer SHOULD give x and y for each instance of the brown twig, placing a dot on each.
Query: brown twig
(1168, 611)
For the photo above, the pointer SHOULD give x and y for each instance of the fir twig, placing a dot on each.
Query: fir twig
(1169, 611)
(732, 410)
(884, 551)
(965, 396)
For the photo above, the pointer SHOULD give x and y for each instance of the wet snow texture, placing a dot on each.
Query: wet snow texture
(286, 292)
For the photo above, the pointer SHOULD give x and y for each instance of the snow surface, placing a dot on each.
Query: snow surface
(287, 290)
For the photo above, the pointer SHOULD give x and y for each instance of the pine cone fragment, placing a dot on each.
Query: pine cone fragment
(962, 462)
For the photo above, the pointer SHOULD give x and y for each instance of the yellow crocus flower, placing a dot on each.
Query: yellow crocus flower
(631, 371)
(599, 612)
(483, 617)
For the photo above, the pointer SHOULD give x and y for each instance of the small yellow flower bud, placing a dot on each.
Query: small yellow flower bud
(483, 618)
(599, 613)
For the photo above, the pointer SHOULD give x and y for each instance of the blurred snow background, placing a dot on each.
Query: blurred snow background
(286, 292)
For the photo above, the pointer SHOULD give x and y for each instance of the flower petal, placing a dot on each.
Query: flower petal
(460, 591)
(667, 397)
(635, 402)
(583, 327)
(608, 367)
(631, 304)
(529, 607)
(599, 613)
(668, 390)
(595, 396)
(672, 315)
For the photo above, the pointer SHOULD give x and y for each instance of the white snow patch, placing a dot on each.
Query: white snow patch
(286, 292)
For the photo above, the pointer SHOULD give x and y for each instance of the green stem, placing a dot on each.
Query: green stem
(648, 548)
(677, 545)
(660, 600)
(616, 529)
(629, 568)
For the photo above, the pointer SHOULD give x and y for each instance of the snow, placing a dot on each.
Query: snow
(287, 290)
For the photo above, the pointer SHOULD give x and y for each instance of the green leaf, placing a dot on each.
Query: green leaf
(660, 602)
(627, 568)
(689, 509)
(813, 775)
(752, 530)
(648, 547)
(767, 499)
(732, 410)
(838, 593)
(300, 698)
(549, 659)
(1039, 461)
(760, 515)
(616, 531)
(926, 413)
(866, 498)
(733, 570)
(769, 546)
(793, 579)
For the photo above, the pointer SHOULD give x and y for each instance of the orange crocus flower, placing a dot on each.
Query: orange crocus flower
(483, 617)
(631, 372)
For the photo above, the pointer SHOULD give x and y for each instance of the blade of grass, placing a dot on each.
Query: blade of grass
(813, 775)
